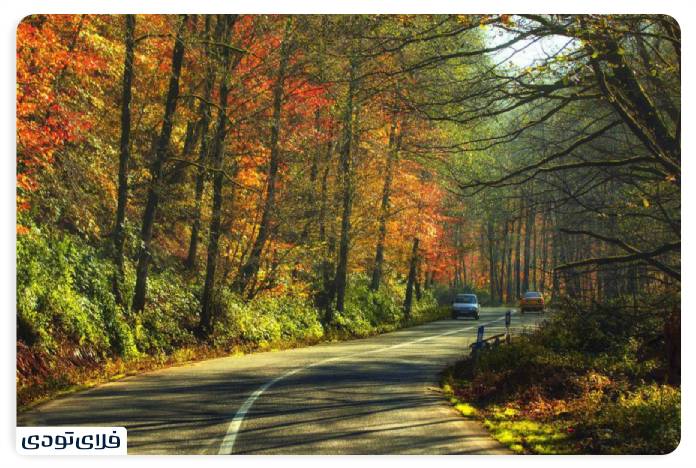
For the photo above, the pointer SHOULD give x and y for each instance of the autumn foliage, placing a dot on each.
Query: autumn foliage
(245, 181)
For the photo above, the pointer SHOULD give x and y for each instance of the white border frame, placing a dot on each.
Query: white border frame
(14, 11)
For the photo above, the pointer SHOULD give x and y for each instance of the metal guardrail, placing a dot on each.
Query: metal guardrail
(494, 340)
(498, 339)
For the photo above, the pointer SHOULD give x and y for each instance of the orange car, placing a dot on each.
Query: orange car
(532, 300)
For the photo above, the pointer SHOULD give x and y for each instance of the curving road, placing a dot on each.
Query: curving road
(371, 396)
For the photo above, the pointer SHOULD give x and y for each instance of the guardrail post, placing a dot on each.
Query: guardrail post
(508, 320)
(478, 345)
(479, 335)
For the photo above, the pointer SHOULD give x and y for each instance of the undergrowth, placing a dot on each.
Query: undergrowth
(71, 332)
(591, 379)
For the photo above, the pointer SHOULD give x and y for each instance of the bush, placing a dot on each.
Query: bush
(644, 421)
(64, 295)
(594, 370)
(71, 330)
(170, 315)
(426, 307)
(264, 321)
(367, 312)
(601, 328)
(382, 307)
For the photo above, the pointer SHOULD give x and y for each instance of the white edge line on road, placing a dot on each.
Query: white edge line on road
(227, 445)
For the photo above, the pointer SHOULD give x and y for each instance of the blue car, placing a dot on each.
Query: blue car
(465, 305)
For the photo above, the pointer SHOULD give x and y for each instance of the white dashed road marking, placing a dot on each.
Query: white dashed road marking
(227, 445)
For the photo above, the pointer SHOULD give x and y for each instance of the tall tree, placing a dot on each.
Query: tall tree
(509, 296)
(249, 270)
(411, 280)
(119, 233)
(518, 253)
(156, 185)
(204, 111)
(217, 154)
(392, 155)
(528, 227)
(341, 277)
(492, 260)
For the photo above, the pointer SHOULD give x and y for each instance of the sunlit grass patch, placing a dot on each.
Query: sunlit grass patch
(466, 409)
(520, 435)
(502, 413)
(526, 436)
(551, 393)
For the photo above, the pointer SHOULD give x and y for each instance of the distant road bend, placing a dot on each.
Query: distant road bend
(369, 396)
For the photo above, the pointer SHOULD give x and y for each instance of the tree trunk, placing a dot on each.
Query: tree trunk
(205, 326)
(310, 214)
(204, 124)
(533, 262)
(325, 296)
(518, 262)
(408, 301)
(482, 254)
(323, 193)
(672, 333)
(145, 255)
(463, 269)
(506, 242)
(250, 269)
(527, 247)
(544, 253)
(509, 296)
(492, 270)
(124, 147)
(417, 281)
(392, 155)
(555, 254)
(347, 201)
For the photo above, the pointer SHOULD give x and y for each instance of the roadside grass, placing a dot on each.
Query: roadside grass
(72, 333)
(525, 435)
(561, 390)
(520, 435)
(68, 375)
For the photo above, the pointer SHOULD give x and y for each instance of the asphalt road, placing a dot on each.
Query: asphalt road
(371, 396)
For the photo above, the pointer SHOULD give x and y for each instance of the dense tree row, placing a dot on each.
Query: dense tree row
(283, 154)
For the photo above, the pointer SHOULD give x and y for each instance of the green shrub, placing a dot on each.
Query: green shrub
(644, 421)
(229, 310)
(169, 317)
(600, 328)
(64, 294)
(299, 320)
(376, 307)
(353, 321)
(427, 307)
(594, 370)
(265, 320)
(367, 312)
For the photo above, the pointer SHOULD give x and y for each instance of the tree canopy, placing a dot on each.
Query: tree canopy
(275, 156)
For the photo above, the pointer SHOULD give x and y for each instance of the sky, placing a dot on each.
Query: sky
(525, 53)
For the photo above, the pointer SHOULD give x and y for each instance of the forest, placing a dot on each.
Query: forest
(197, 185)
